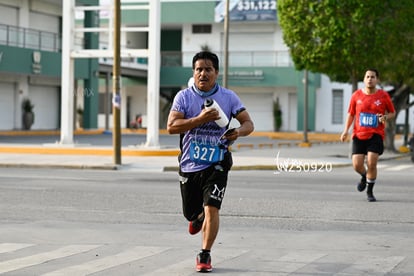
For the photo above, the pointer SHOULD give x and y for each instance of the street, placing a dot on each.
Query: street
(92, 222)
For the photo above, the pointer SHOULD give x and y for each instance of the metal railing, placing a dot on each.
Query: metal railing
(29, 38)
(48, 41)
(236, 59)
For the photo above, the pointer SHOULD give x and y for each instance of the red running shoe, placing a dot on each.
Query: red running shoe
(195, 226)
(203, 262)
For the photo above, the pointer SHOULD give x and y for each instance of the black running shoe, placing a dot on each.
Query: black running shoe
(371, 198)
(370, 194)
(362, 184)
(203, 262)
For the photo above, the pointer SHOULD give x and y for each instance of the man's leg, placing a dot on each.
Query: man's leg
(358, 161)
(210, 230)
(372, 161)
(210, 226)
(213, 197)
(192, 201)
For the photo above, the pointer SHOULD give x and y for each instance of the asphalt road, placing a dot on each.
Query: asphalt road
(88, 222)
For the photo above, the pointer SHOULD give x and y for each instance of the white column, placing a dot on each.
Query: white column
(67, 78)
(24, 11)
(153, 83)
(22, 92)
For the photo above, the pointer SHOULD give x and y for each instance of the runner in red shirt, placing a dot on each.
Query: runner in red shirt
(369, 109)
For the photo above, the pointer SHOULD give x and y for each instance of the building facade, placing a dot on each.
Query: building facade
(260, 70)
(29, 51)
(30, 62)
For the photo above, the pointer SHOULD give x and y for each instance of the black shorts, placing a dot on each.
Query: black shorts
(206, 187)
(373, 144)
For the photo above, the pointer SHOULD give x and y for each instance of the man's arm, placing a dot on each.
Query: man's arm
(384, 117)
(348, 123)
(178, 124)
(246, 126)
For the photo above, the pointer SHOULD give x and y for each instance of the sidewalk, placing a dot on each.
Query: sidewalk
(269, 153)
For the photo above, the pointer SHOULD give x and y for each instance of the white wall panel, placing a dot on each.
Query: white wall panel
(44, 22)
(46, 106)
(260, 108)
(8, 15)
(7, 105)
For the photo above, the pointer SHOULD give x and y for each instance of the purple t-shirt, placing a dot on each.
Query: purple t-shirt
(190, 103)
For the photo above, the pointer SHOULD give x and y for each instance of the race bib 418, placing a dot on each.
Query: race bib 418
(368, 119)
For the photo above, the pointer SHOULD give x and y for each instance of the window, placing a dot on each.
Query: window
(105, 103)
(202, 29)
(337, 106)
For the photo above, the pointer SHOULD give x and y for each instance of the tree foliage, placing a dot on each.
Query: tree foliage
(343, 38)
(398, 63)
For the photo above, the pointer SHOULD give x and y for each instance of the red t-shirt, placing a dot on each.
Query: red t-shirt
(365, 109)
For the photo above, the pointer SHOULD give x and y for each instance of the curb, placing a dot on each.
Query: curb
(169, 168)
(57, 166)
(75, 132)
(56, 150)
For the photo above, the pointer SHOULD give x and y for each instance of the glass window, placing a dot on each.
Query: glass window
(202, 29)
(337, 106)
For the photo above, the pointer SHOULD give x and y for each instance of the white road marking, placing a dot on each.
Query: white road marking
(10, 247)
(94, 266)
(36, 259)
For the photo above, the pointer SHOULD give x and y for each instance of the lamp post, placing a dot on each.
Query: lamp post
(116, 100)
(305, 108)
(305, 142)
(226, 44)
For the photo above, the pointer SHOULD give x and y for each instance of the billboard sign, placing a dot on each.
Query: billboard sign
(246, 10)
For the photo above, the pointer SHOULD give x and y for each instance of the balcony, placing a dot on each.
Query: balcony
(47, 41)
(236, 59)
(29, 38)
